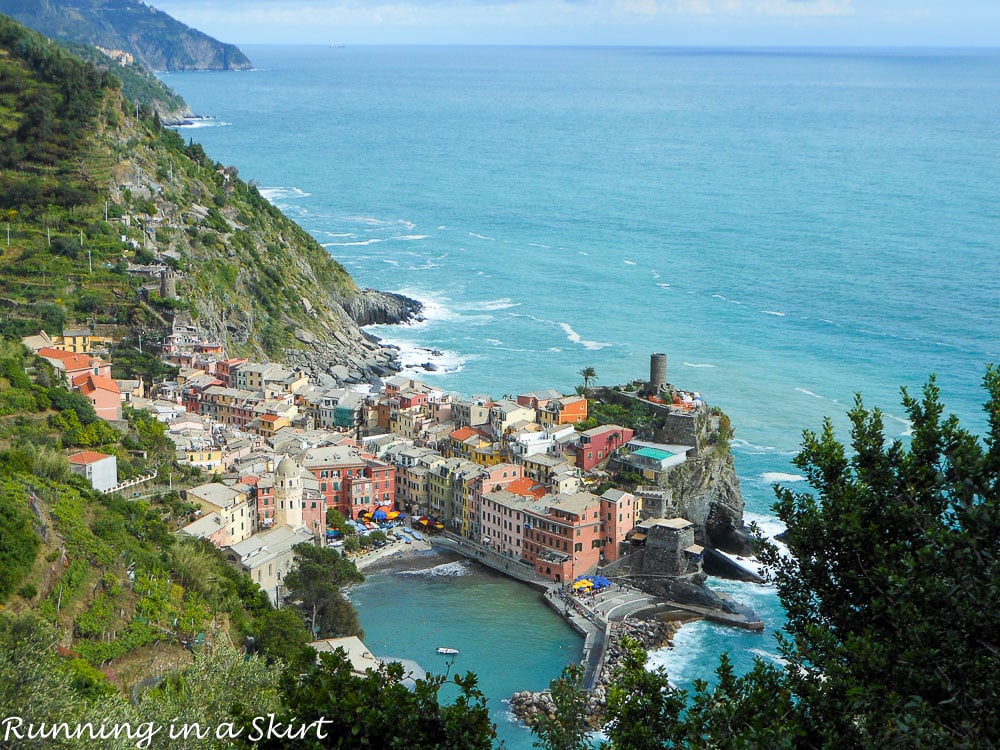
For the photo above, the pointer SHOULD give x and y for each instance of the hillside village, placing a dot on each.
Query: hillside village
(512, 476)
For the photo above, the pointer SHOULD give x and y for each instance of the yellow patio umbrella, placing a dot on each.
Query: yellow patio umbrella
(583, 584)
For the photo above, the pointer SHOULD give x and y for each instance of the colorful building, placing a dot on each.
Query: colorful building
(598, 443)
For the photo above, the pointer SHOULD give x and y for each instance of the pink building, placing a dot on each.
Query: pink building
(600, 442)
(103, 393)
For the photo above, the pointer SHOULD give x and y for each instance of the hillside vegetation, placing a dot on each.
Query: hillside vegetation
(87, 188)
(157, 40)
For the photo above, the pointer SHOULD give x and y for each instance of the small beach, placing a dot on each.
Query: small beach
(389, 555)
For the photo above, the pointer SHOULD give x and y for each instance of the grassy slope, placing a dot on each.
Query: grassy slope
(73, 153)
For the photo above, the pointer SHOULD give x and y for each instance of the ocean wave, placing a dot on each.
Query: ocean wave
(376, 222)
(340, 234)
(768, 656)
(629, 262)
(192, 123)
(663, 285)
(908, 424)
(577, 339)
(445, 570)
(656, 274)
(390, 261)
(410, 237)
(359, 243)
(696, 364)
(807, 392)
(504, 303)
(772, 477)
(749, 447)
(687, 659)
(272, 194)
(773, 312)
(482, 237)
(415, 358)
(537, 244)
(769, 525)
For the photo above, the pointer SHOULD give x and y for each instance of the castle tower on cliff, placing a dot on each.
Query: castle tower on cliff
(288, 494)
(168, 283)
(657, 371)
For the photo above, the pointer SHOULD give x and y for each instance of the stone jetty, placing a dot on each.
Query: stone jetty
(530, 706)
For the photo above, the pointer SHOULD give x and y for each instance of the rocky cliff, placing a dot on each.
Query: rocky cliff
(152, 37)
(706, 491)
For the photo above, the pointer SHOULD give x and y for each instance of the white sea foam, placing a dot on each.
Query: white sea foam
(768, 656)
(687, 659)
(773, 312)
(193, 123)
(272, 194)
(340, 234)
(807, 392)
(359, 243)
(577, 339)
(656, 274)
(390, 261)
(504, 303)
(663, 285)
(482, 237)
(908, 424)
(629, 262)
(414, 357)
(745, 446)
(770, 526)
(536, 244)
(772, 477)
(375, 222)
(697, 364)
(410, 237)
(447, 570)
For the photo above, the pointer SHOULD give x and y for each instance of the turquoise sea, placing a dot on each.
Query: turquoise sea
(790, 226)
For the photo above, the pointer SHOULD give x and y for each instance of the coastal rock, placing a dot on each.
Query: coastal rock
(370, 307)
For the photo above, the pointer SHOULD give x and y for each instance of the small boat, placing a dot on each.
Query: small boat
(416, 535)
(446, 650)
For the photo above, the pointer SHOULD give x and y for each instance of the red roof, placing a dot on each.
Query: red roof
(71, 362)
(269, 417)
(526, 487)
(88, 383)
(464, 433)
(87, 457)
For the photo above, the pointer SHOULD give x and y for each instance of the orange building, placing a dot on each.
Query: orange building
(565, 410)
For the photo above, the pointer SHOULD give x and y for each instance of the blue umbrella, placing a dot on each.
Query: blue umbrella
(379, 515)
(600, 581)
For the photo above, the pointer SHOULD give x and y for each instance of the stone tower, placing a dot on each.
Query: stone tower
(168, 283)
(657, 370)
(288, 494)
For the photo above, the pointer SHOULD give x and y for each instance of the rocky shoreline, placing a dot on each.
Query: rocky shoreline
(530, 706)
(341, 359)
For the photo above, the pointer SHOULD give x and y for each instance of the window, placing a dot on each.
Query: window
(578, 547)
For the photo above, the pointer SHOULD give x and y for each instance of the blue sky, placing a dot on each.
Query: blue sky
(641, 22)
